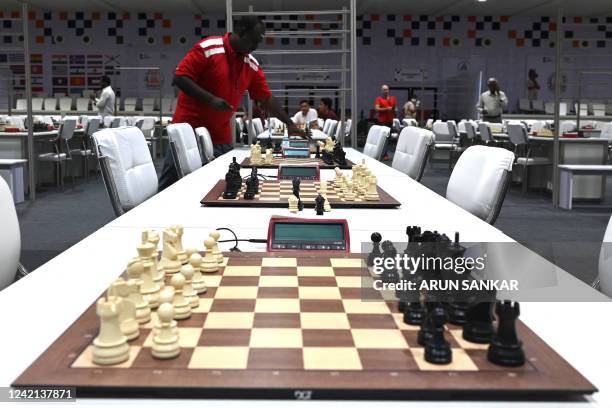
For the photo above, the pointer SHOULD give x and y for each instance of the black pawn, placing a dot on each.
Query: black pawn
(457, 313)
(506, 349)
(376, 252)
(414, 313)
(437, 349)
(317, 151)
(478, 327)
(389, 275)
(427, 325)
(319, 204)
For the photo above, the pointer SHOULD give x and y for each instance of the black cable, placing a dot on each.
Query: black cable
(236, 240)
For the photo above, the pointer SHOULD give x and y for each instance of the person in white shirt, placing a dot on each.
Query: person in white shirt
(492, 103)
(306, 115)
(106, 102)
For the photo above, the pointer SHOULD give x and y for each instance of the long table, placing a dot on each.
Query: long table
(38, 308)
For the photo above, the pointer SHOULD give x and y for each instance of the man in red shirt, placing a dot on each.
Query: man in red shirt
(212, 78)
(325, 109)
(386, 107)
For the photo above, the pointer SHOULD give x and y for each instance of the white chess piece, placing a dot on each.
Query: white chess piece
(110, 346)
(349, 195)
(169, 260)
(182, 308)
(372, 193)
(153, 237)
(165, 339)
(127, 312)
(135, 270)
(198, 283)
(150, 288)
(215, 249)
(188, 291)
(269, 158)
(293, 204)
(167, 296)
(326, 205)
(209, 263)
(181, 255)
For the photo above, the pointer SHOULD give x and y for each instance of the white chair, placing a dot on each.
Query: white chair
(480, 180)
(119, 121)
(376, 142)
(519, 138)
(470, 131)
(108, 121)
(604, 278)
(331, 131)
(37, 104)
(10, 237)
(184, 148)
(65, 134)
(599, 109)
(146, 125)
(320, 123)
(166, 105)
(326, 126)
(584, 108)
(49, 104)
(525, 105)
(206, 144)
(254, 128)
(82, 104)
(410, 122)
(567, 126)
(485, 133)
(127, 168)
(148, 105)
(538, 106)
(444, 141)
(65, 104)
(412, 151)
(129, 104)
(85, 152)
(606, 131)
(429, 123)
(22, 105)
(549, 108)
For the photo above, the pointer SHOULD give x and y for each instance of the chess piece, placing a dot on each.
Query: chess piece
(150, 288)
(269, 157)
(376, 252)
(127, 309)
(169, 259)
(414, 313)
(349, 195)
(389, 274)
(165, 339)
(293, 204)
(326, 205)
(178, 230)
(251, 189)
(188, 291)
(296, 192)
(506, 349)
(427, 325)
(318, 150)
(437, 349)
(372, 193)
(338, 176)
(110, 346)
(198, 283)
(210, 263)
(167, 296)
(153, 237)
(182, 307)
(478, 327)
(339, 154)
(215, 249)
(319, 203)
(135, 270)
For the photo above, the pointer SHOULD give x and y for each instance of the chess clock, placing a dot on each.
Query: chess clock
(302, 234)
(302, 172)
(296, 152)
(298, 143)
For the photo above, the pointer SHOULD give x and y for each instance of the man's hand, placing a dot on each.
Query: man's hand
(220, 104)
(293, 130)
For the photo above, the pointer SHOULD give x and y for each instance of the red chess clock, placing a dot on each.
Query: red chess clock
(299, 171)
(302, 234)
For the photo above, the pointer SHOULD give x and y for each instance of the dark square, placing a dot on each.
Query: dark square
(277, 17)
(544, 35)
(196, 320)
(205, 24)
(7, 39)
(301, 41)
(48, 32)
(479, 357)
(447, 25)
(79, 15)
(569, 34)
(333, 26)
(601, 44)
(198, 31)
(277, 293)
(285, 41)
(225, 337)
(431, 42)
(390, 32)
(479, 25)
(488, 19)
(87, 23)
(601, 28)
(277, 320)
(536, 42)
(371, 321)
(609, 34)
(537, 26)
(314, 261)
(545, 19)
(285, 26)
(387, 360)
(269, 26)
(367, 41)
(47, 16)
(150, 23)
(327, 338)
(120, 39)
(142, 16)
(6, 24)
(321, 306)
(316, 281)
(333, 41)
(239, 281)
(478, 42)
(423, 18)
(496, 26)
(349, 271)
(293, 17)
(594, 20)
(233, 305)
(399, 41)
(278, 271)
(301, 26)
(609, 20)
(71, 23)
(142, 337)
(414, 41)
(254, 261)
(528, 34)
(142, 32)
(455, 19)
(145, 359)
(390, 17)
(275, 359)
(80, 31)
(360, 17)
(119, 23)
(359, 32)
(367, 25)
(220, 23)
(431, 25)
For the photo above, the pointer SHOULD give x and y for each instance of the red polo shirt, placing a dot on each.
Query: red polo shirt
(389, 102)
(217, 68)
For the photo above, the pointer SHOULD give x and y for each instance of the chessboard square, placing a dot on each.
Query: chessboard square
(331, 358)
(276, 338)
(242, 270)
(317, 292)
(348, 281)
(313, 261)
(196, 320)
(371, 321)
(277, 306)
(279, 262)
(143, 334)
(85, 359)
(277, 320)
(233, 305)
(219, 358)
(212, 281)
(324, 321)
(379, 339)
(327, 338)
(251, 260)
(315, 271)
(457, 335)
(278, 281)
(387, 360)
(236, 292)
(278, 293)
(204, 307)
(346, 262)
(188, 337)
(229, 321)
(461, 361)
(239, 281)
(225, 261)
(399, 321)
(146, 360)
(279, 271)
(369, 307)
(225, 337)
(317, 281)
(326, 306)
(352, 272)
(480, 359)
(275, 359)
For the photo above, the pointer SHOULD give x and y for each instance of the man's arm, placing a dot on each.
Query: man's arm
(503, 100)
(271, 105)
(480, 104)
(191, 88)
(100, 102)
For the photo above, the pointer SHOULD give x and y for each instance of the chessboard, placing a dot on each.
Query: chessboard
(278, 160)
(295, 326)
(274, 193)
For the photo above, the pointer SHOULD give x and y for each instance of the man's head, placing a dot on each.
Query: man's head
(248, 34)
(532, 74)
(304, 106)
(325, 105)
(493, 85)
(105, 81)
(385, 90)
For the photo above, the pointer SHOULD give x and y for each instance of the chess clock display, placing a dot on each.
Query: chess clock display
(301, 234)
(302, 172)
(296, 152)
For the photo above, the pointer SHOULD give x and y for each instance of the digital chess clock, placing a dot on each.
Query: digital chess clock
(299, 143)
(296, 152)
(302, 172)
(300, 234)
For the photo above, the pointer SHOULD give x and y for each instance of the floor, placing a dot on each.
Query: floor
(570, 239)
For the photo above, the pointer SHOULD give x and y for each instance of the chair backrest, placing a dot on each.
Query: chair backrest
(410, 122)
(127, 167)
(461, 126)
(82, 104)
(331, 131)
(538, 105)
(50, 104)
(517, 133)
(37, 104)
(240, 124)
(326, 126)
(485, 132)
(258, 125)
(10, 236)
(479, 181)
(525, 105)
(549, 108)
(429, 123)
(65, 103)
(186, 153)
(148, 104)
(22, 104)
(584, 108)
(92, 126)
(119, 121)
(412, 151)
(166, 105)
(470, 130)
(453, 130)
(321, 123)
(146, 125)
(376, 141)
(396, 124)
(206, 144)
(108, 121)
(441, 132)
(129, 104)
(606, 131)
(605, 262)
(567, 126)
(66, 130)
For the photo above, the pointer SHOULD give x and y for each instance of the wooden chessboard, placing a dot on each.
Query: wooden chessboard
(278, 160)
(274, 193)
(295, 326)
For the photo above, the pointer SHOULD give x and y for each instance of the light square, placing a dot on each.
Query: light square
(85, 360)
(331, 358)
(188, 337)
(464, 344)
(315, 271)
(277, 306)
(369, 307)
(346, 262)
(319, 292)
(324, 321)
(399, 320)
(280, 262)
(236, 292)
(241, 270)
(276, 338)
(461, 361)
(151, 323)
(348, 281)
(379, 338)
(229, 320)
(278, 281)
(205, 305)
(212, 281)
(219, 358)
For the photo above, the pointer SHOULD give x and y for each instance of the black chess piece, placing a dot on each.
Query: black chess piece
(269, 143)
(437, 349)
(427, 325)
(328, 158)
(376, 252)
(319, 203)
(251, 188)
(414, 313)
(231, 188)
(296, 192)
(478, 327)
(339, 154)
(317, 151)
(389, 274)
(506, 349)
(235, 165)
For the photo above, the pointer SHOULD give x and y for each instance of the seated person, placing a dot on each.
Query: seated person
(325, 109)
(306, 116)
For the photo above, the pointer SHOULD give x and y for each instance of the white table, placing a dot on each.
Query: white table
(38, 308)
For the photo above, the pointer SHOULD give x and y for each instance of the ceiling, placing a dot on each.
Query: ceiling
(414, 7)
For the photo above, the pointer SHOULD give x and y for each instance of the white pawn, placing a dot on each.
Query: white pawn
(143, 310)
(326, 205)
(110, 346)
(127, 312)
(269, 158)
(349, 195)
(165, 339)
(182, 308)
(215, 250)
(293, 204)
(198, 283)
(167, 296)
(188, 291)
(209, 263)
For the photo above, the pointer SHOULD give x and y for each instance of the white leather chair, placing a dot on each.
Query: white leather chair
(37, 104)
(166, 104)
(184, 148)
(129, 104)
(525, 105)
(65, 134)
(584, 108)
(49, 104)
(409, 122)
(538, 106)
(127, 168)
(22, 105)
(517, 133)
(485, 133)
(108, 121)
(10, 237)
(326, 126)
(606, 131)
(254, 128)
(82, 104)
(376, 142)
(206, 144)
(604, 278)
(119, 121)
(65, 104)
(85, 151)
(146, 124)
(331, 131)
(148, 105)
(479, 181)
(412, 151)
(320, 123)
